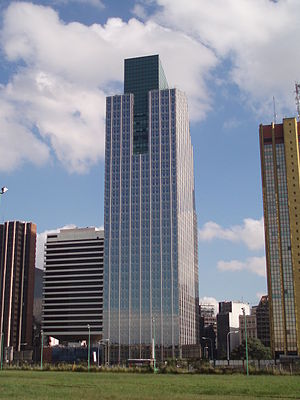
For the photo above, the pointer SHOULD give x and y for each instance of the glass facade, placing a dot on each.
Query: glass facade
(279, 236)
(151, 271)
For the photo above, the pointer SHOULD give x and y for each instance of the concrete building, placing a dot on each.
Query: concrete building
(151, 269)
(73, 285)
(228, 321)
(17, 263)
(263, 321)
(279, 146)
(251, 325)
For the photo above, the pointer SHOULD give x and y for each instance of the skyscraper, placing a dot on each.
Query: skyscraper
(17, 263)
(150, 268)
(73, 284)
(279, 146)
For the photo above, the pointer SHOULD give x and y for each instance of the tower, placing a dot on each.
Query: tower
(150, 266)
(17, 263)
(279, 147)
(73, 284)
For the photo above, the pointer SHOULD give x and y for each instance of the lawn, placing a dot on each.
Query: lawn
(43, 385)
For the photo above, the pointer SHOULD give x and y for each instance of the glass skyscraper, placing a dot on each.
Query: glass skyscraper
(150, 224)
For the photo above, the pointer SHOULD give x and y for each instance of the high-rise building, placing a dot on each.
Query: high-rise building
(151, 271)
(17, 264)
(73, 284)
(263, 321)
(279, 146)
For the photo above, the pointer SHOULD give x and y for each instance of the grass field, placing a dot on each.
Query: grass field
(44, 385)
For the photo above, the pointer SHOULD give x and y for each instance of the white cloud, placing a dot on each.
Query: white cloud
(257, 36)
(256, 265)
(251, 233)
(68, 69)
(210, 301)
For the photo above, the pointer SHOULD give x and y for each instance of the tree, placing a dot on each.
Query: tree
(256, 351)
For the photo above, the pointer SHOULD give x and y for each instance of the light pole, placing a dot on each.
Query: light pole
(245, 319)
(228, 353)
(89, 328)
(42, 347)
(153, 346)
(3, 190)
(211, 346)
(1, 349)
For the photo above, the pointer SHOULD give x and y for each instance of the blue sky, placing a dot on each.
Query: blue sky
(61, 58)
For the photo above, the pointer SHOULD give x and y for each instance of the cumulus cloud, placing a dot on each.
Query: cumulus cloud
(251, 233)
(256, 36)
(67, 70)
(256, 265)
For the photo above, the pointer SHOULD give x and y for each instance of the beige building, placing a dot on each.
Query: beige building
(279, 145)
(251, 325)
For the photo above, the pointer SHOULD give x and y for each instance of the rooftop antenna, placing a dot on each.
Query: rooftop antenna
(297, 98)
(274, 110)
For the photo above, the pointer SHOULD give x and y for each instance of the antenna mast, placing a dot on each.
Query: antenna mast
(297, 98)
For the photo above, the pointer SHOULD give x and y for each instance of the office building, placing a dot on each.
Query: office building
(17, 263)
(207, 330)
(263, 321)
(151, 271)
(73, 285)
(228, 325)
(251, 325)
(279, 146)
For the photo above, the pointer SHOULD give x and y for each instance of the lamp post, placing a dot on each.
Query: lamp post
(245, 319)
(42, 347)
(89, 344)
(228, 353)
(211, 346)
(3, 190)
(153, 346)
(1, 349)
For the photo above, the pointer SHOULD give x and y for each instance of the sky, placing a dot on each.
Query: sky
(61, 58)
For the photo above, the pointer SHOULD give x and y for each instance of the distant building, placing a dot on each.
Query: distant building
(250, 323)
(228, 321)
(263, 321)
(207, 329)
(17, 263)
(73, 284)
(279, 147)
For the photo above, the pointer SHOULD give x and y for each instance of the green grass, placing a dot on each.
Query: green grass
(43, 385)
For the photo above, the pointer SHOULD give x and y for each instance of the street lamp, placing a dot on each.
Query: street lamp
(89, 328)
(245, 319)
(153, 346)
(211, 346)
(3, 190)
(229, 333)
(42, 347)
(1, 349)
